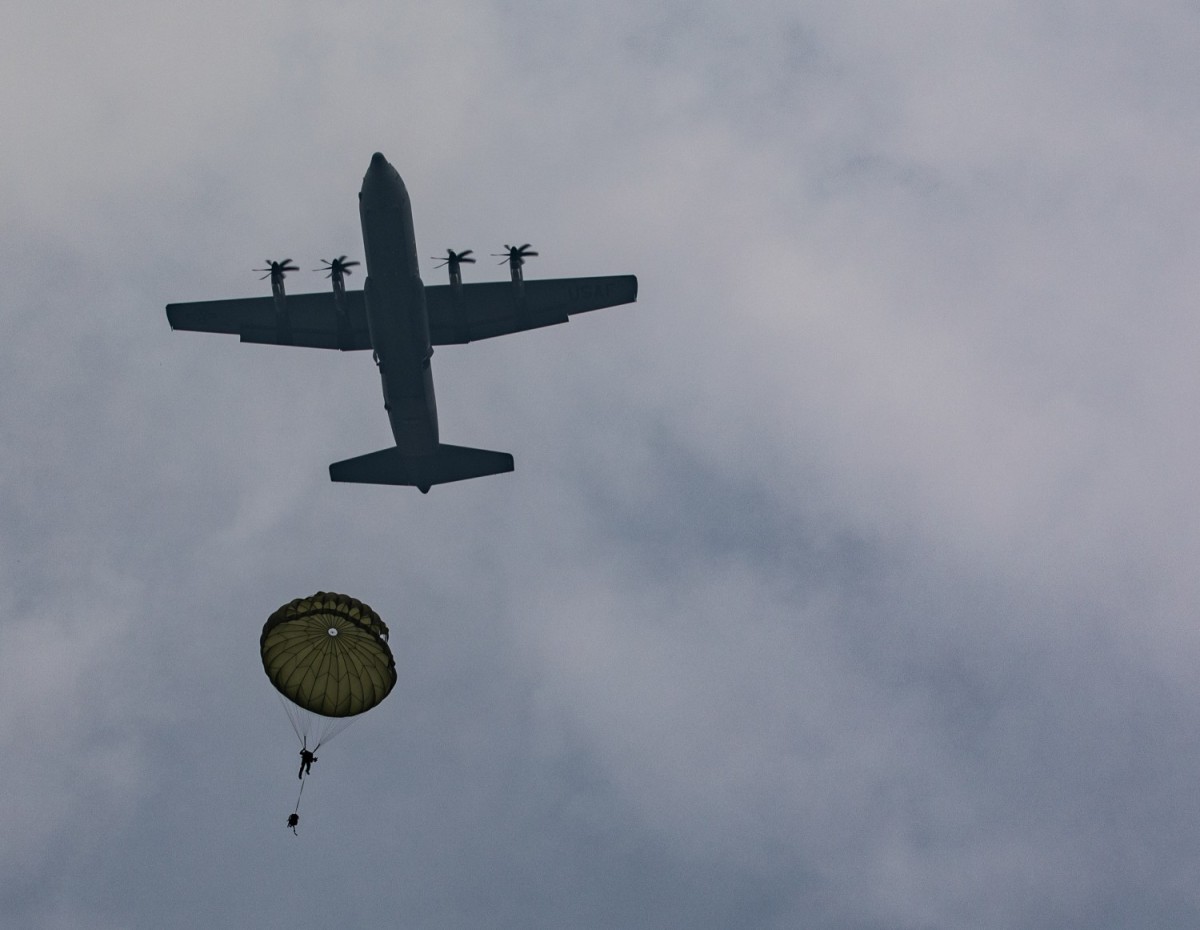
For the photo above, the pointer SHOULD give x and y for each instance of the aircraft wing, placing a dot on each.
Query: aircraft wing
(310, 320)
(480, 311)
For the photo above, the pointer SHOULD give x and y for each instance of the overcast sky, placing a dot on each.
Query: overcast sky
(846, 580)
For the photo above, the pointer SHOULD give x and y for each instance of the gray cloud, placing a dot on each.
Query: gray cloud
(847, 580)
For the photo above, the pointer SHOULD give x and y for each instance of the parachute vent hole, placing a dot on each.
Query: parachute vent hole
(333, 631)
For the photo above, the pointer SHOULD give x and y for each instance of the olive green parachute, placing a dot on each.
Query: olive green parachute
(328, 654)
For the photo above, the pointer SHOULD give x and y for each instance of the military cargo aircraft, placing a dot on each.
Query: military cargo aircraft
(401, 319)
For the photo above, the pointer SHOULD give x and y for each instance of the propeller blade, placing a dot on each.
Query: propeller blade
(338, 265)
(455, 258)
(277, 269)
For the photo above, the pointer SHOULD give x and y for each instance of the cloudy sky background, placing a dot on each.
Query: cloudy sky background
(847, 580)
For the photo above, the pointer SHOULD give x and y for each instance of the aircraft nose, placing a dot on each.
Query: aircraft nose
(381, 179)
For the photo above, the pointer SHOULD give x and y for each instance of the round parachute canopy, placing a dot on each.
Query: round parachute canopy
(328, 654)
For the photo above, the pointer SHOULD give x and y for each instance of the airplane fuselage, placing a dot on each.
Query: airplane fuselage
(396, 314)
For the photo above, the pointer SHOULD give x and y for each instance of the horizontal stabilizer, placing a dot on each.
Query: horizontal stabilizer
(449, 463)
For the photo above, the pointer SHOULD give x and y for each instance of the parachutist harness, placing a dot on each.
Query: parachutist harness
(307, 759)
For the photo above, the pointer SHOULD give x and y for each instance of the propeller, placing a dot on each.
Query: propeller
(515, 255)
(454, 259)
(338, 267)
(277, 270)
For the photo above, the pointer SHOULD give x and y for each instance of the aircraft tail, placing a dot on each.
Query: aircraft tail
(448, 463)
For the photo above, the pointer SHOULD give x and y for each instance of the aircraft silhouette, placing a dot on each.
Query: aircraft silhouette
(401, 320)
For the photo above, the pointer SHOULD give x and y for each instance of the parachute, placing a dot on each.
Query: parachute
(328, 656)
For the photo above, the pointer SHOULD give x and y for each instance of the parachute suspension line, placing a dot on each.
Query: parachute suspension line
(307, 725)
(287, 709)
(328, 728)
